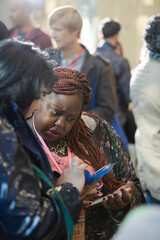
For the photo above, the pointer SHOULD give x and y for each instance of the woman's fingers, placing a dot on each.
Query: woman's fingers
(76, 161)
(120, 198)
(74, 174)
(86, 203)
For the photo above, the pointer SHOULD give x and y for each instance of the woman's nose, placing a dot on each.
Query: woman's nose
(60, 122)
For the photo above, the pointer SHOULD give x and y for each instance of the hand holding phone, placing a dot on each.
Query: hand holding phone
(98, 174)
(105, 198)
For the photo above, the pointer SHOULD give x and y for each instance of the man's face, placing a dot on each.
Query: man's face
(16, 13)
(62, 35)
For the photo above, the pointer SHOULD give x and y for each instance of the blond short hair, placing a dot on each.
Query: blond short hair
(69, 15)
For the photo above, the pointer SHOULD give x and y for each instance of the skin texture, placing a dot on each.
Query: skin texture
(63, 36)
(56, 116)
(74, 174)
(117, 201)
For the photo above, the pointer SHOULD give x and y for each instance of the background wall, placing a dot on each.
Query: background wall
(132, 14)
(4, 12)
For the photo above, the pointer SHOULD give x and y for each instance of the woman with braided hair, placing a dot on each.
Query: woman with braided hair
(64, 131)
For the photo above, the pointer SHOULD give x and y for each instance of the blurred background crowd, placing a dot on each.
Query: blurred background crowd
(132, 15)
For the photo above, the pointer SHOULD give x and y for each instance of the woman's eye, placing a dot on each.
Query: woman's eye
(54, 112)
(70, 119)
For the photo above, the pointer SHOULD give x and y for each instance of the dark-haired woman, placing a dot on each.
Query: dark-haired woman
(64, 132)
(29, 209)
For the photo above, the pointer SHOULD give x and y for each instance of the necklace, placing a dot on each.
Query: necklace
(48, 152)
(60, 148)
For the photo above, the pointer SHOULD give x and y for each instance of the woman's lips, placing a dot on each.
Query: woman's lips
(53, 133)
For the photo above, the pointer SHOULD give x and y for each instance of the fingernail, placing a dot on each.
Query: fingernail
(100, 194)
(115, 194)
(99, 185)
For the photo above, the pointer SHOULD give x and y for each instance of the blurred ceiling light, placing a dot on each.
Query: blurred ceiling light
(148, 2)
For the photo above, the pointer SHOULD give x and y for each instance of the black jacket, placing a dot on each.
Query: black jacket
(121, 70)
(28, 210)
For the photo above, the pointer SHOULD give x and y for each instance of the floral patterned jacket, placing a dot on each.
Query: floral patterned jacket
(100, 223)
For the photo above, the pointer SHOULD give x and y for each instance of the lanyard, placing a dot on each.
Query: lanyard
(27, 34)
(77, 58)
(49, 152)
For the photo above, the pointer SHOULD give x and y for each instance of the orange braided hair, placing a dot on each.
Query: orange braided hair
(81, 140)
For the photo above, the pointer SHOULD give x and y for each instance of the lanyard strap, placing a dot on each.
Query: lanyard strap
(67, 216)
(27, 34)
(77, 58)
(49, 152)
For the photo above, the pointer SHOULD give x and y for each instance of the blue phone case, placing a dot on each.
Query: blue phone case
(98, 174)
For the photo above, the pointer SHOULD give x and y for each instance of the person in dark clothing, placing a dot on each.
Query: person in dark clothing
(110, 31)
(66, 23)
(30, 206)
(129, 126)
(4, 33)
(23, 27)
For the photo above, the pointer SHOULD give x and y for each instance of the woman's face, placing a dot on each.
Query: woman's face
(57, 115)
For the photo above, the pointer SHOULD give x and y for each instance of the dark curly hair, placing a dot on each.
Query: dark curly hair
(152, 33)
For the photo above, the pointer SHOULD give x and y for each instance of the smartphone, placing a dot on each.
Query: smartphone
(98, 174)
(104, 198)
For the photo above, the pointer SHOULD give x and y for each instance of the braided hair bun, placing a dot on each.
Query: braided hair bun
(70, 82)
